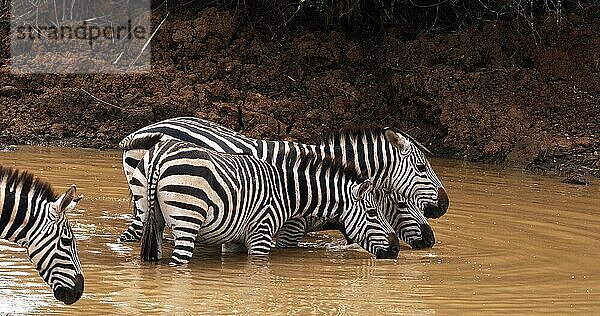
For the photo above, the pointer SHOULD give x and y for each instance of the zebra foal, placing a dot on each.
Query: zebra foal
(33, 216)
(215, 198)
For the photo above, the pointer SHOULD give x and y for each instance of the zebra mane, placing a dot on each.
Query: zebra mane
(357, 132)
(15, 177)
(145, 142)
(334, 164)
(352, 131)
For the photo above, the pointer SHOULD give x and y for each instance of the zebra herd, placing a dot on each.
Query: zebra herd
(211, 185)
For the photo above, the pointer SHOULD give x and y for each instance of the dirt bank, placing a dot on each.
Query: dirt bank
(493, 94)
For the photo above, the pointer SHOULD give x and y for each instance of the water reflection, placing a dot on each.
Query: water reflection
(510, 243)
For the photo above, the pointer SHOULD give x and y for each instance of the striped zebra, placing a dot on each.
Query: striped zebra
(216, 198)
(33, 216)
(398, 213)
(394, 162)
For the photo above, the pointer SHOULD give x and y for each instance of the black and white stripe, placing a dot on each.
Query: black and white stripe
(216, 198)
(393, 161)
(33, 216)
(407, 221)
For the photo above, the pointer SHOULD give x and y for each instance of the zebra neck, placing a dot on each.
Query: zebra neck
(316, 190)
(21, 211)
(371, 154)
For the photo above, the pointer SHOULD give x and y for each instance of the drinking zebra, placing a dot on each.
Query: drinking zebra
(402, 216)
(216, 198)
(394, 162)
(33, 216)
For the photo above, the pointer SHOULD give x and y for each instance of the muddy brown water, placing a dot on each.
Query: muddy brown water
(510, 243)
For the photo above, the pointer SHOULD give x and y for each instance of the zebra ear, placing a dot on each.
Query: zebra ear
(66, 201)
(362, 188)
(398, 141)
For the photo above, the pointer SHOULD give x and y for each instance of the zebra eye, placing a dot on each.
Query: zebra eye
(67, 242)
(402, 205)
(421, 168)
(372, 212)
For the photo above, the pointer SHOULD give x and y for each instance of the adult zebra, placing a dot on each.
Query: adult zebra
(217, 198)
(393, 161)
(34, 217)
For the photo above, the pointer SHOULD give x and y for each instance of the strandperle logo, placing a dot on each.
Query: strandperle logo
(49, 36)
(85, 31)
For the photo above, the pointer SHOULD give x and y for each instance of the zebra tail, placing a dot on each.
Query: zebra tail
(144, 143)
(152, 231)
(150, 238)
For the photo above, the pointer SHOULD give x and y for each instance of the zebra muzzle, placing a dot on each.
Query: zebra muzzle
(438, 209)
(70, 295)
(427, 239)
(393, 248)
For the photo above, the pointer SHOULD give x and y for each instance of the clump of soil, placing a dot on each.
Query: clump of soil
(492, 94)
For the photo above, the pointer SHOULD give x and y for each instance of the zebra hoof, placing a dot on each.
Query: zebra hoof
(233, 248)
(127, 238)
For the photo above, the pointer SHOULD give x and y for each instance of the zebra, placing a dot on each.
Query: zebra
(399, 214)
(393, 161)
(217, 198)
(33, 216)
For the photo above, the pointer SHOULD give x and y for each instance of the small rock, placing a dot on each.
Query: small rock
(524, 152)
(576, 179)
(583, 141)
(9, 90)
(9, 148)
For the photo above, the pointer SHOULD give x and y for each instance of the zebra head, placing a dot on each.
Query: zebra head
(408, 221)
(52, 250)
(414, 177)
(366, 226)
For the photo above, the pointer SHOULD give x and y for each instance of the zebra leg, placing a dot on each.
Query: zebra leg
(137, 190)
(260, 239)
(185, 239)
(134, 231)
(290, 234)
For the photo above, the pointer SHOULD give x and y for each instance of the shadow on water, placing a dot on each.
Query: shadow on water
(510, 243)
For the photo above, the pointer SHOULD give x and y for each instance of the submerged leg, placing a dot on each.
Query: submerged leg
(290, 234)
(134, 231)
(184, 247)
(233, 247)
(185, 227)
(260, 239)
